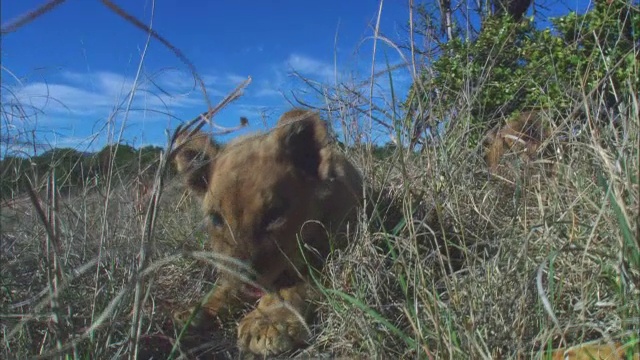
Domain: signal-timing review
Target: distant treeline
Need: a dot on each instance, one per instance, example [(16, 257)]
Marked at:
[(75, 169), (72, 168)]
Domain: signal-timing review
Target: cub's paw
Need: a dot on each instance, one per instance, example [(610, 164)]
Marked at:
[(201, 321), (271, 331)]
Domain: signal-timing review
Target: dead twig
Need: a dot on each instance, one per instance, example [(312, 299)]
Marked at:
[(30, 16), (154, 34)]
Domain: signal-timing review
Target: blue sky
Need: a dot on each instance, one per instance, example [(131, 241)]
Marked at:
[(73, 68)]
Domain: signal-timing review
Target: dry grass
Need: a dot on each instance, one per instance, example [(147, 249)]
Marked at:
[(447, 262), (462, 265), (546, 261), (467, 276)]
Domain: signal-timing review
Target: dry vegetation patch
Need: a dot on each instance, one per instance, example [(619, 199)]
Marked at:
[(449, 260), (457, 264)]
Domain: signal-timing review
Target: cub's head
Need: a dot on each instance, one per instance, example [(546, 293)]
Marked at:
[(258, 191)]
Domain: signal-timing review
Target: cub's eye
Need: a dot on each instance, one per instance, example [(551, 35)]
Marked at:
[(216, 219), (274, 217)]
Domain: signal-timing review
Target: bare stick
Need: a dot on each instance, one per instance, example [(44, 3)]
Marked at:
[(30, 16), (140, 25)]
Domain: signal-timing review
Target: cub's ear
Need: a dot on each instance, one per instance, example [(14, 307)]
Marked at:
[(193, 158), (305, 142), (293, 115)]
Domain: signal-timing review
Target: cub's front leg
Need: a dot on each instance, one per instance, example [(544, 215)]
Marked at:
[(278, 324), (225, 300)]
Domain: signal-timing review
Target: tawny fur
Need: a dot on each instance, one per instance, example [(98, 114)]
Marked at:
[(267, 196), (524, 135)]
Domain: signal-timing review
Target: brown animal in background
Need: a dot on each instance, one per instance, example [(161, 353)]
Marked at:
[(611, 351), (524, 134), (278, 202)]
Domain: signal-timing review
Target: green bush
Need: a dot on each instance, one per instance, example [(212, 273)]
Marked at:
[(511, 66)]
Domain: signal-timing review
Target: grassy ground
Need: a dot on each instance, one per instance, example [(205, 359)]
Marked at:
[(447, 261), (453, 263)]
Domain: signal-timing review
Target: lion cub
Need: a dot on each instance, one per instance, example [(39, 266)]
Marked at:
[(277, 202), (524, 134)]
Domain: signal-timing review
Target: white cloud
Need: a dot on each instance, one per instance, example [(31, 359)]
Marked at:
[(184, 81), (58, 98), (100, 93), (75, 104), (311, 67), (102, 82), (271, 85), (234, 80), (266, 91)]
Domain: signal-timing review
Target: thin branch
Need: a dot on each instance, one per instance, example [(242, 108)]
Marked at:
[(30, 16)]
